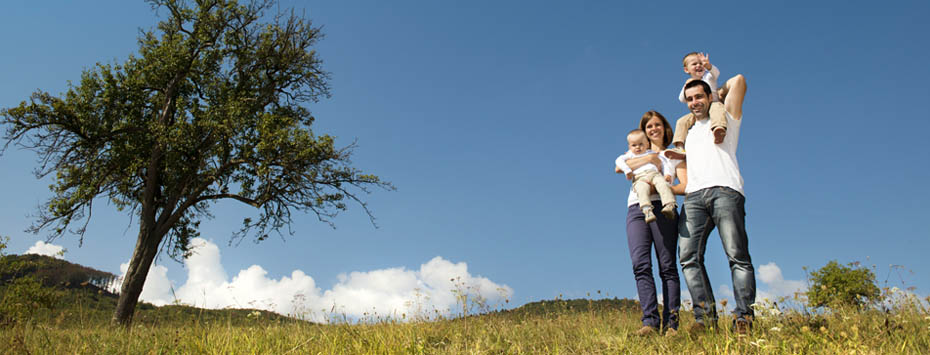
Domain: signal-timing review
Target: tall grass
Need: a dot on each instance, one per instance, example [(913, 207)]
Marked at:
[(901, 328), (898, 323)]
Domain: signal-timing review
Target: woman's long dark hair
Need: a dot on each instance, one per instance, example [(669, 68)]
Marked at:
[(667, 137)]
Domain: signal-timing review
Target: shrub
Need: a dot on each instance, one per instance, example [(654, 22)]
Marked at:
[(836, 285), (23, 297)]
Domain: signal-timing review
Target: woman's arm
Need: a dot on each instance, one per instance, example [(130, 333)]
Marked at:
[(682, 172), (636, 163)]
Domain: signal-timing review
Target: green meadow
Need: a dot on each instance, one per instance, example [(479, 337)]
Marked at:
[(61, 314)]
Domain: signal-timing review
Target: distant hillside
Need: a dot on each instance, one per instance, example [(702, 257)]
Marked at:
[(84, 297), (559, 306), (54, 272)]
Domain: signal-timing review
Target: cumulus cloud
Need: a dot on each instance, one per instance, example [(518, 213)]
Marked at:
[(393, 292), (157, 289), (895, 297), (47, 249), (770, 285), (726, 293), (776, 285)]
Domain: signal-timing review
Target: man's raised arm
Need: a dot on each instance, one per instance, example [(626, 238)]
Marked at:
[(735, 90)]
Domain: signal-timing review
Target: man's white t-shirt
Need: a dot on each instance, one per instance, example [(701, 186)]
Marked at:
[(712, 164)]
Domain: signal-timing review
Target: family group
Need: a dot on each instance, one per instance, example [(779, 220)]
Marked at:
[(701, 155)]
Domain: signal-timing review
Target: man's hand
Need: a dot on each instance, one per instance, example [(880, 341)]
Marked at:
[(668, 178), (630, 176)]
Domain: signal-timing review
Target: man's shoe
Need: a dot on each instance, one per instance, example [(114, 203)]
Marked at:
[(669, 210), (645, 331), (671, 332), (650, 217), (742, 326)]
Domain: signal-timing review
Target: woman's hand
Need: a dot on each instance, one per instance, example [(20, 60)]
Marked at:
[(654, 159)]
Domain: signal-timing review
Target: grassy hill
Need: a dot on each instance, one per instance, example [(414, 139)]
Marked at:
[(82, 297), (78, 322), (53, 272)]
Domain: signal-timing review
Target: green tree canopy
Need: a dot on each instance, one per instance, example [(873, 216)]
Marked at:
[(211, 108), (842, 285)]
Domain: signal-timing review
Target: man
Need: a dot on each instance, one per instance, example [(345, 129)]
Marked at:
[(714, 197)]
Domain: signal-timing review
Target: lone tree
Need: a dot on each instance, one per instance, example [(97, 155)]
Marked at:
[(841, 285), (210, 109)]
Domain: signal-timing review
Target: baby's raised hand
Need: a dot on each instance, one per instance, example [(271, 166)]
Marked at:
[(705, 60)]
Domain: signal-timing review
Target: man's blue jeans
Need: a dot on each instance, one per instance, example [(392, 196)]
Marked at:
[(702, 210)]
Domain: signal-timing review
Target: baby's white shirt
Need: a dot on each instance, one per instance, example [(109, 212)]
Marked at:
[(709, 77)]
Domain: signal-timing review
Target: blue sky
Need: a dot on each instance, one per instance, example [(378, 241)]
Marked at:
[(499, 122)]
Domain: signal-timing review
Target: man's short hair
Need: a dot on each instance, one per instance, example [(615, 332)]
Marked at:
[(702, 83)]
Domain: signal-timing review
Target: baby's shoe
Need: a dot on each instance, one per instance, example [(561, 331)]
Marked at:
[(674, 153), (669, 210), (650, 217), (719, 134)]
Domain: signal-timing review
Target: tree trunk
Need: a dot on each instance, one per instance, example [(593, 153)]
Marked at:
[(139, 265)]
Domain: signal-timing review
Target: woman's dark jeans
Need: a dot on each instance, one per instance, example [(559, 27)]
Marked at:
[(661, 235)]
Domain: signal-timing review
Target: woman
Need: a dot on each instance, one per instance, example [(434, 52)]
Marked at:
[(661, 235)]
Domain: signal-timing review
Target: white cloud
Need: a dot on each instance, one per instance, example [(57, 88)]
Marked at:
[(725, 293), (157, 288), (776, 285), (388, 292), (770, 285), (47, 249), (895, 297), (685, 298)]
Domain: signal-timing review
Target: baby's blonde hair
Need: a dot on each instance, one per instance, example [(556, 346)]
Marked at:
[(637, 132), (684, 61)]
